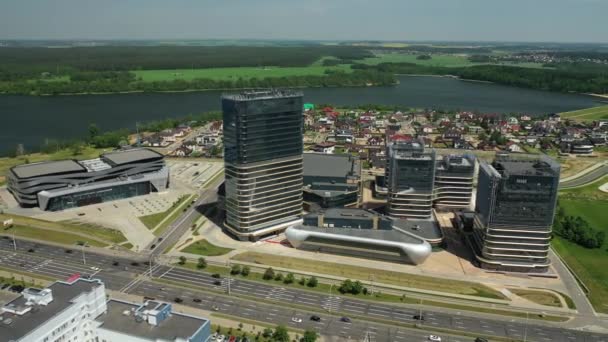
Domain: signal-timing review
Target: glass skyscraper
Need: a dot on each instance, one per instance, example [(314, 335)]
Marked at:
[(515, 205), (410, 177), (263, 161)]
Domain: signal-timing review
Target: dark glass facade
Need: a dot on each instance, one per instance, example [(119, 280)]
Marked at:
[(111, 193), (515, 205), (263, 161)]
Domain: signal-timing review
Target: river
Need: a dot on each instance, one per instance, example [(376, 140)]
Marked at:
[(30, 120)]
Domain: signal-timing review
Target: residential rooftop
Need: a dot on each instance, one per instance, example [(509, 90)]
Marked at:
[(120, 317), (63, 296)]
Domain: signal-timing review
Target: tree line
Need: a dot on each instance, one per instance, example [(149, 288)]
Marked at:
[(577, 230)]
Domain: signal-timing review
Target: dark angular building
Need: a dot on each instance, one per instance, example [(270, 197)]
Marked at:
[(515, 206), (64, 184), (410, 178), (331, 180), (263, 161)]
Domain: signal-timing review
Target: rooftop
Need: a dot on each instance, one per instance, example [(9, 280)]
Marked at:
[(527, 165), (130, 156), (63, 295), (47, 168), (173, 327), (427, 229), (375, 234), (348, 213), (329, 165), (262, 94)]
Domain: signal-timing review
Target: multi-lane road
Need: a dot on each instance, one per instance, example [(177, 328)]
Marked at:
[(120, 274), (586, 178)]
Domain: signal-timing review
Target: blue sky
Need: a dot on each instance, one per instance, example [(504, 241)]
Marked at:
[(489, 20)]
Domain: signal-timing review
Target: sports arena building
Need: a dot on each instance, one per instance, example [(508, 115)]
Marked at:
[(63, 184)]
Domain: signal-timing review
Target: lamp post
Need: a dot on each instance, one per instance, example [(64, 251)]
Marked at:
[(84, 259)]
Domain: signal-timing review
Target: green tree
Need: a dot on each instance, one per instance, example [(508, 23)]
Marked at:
[(280, 334), (245, 271), (289, 278), (312, 282), (309, 336), (93, 131), (202, 263), (236, 269), (268, 274), (267, 332), (182, 260), (346, 286), (278, 277), (302, 281)]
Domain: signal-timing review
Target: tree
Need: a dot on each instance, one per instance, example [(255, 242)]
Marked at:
[(76, 148), (236, 269), (312, 282), (268, 274), (289, 278), (309, 336), (93, 131), (278, 277), (357, 288), (182, 260), (302, 281), (482, 136), (280, 334), (267, 332), (202, 263), (346, 286), (245, 271)]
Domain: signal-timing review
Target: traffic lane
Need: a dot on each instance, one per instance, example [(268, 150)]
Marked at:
[(587, 178)]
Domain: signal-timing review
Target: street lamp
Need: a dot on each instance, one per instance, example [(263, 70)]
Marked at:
[(229, 273), (14, 240), (84, 259)]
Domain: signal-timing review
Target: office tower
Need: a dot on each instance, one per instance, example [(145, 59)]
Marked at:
[(410, 176), (263, 161), (454, 182), (515, 205)]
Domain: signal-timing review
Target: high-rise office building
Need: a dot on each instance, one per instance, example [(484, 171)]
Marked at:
[(410, 177), (263, 161), (454, 177), (515, 205)]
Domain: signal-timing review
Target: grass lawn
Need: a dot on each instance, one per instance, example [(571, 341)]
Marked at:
[(436, 60), (590, 265), (589, 114), (48, 235), (94, 231), (151, 221), (203, 247), (236, 73), (380, 276), (87, 153), (539, 297)]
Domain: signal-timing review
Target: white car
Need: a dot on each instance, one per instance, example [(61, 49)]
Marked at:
[(434, 338), (296, 320), (220, 338)]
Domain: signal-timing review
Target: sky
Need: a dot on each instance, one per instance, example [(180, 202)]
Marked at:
[(402, 20)]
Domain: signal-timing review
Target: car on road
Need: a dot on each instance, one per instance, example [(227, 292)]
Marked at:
[(481, 339), (31, 250), (68, 251), (296, 320), (196, 300), (178, 300), (215, 308), (217, 283), (345, 320), (216, 275), (315, 318), (419, 317), (434, 338), (134, 263), (115, 263), (95, 268)]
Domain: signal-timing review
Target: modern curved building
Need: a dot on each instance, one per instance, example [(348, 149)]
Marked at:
[(63, 184), (362, 233)]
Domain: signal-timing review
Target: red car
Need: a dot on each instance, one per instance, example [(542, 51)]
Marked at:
[(232, 339)]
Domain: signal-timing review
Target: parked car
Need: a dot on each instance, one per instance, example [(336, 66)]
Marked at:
[(345, 319), (296, 320), (434, 338)]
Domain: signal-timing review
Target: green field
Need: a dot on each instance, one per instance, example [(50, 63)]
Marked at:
[(203, 247), (50, 236), (436, 60), (364, 273), (233, 74), (590, 265), (588, 114)]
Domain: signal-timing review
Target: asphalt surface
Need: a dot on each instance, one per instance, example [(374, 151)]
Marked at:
[(121, 274), (178, 228), (586, 178)]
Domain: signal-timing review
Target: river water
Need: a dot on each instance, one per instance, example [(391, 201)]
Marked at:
[(30, 120)]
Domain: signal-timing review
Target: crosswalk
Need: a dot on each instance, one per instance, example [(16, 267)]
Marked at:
[(332, 303), (133, 283)]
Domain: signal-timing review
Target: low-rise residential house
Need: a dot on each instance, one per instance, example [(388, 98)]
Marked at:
[(375, 141), (531, 140), (525, 118), (475, 129), (582, 146), (381, 123), (182, 151), (513, 147), (462, 144), (427, 129), (452, 134), (512, 121), (208, 139), (554, 117), (325, 147)]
